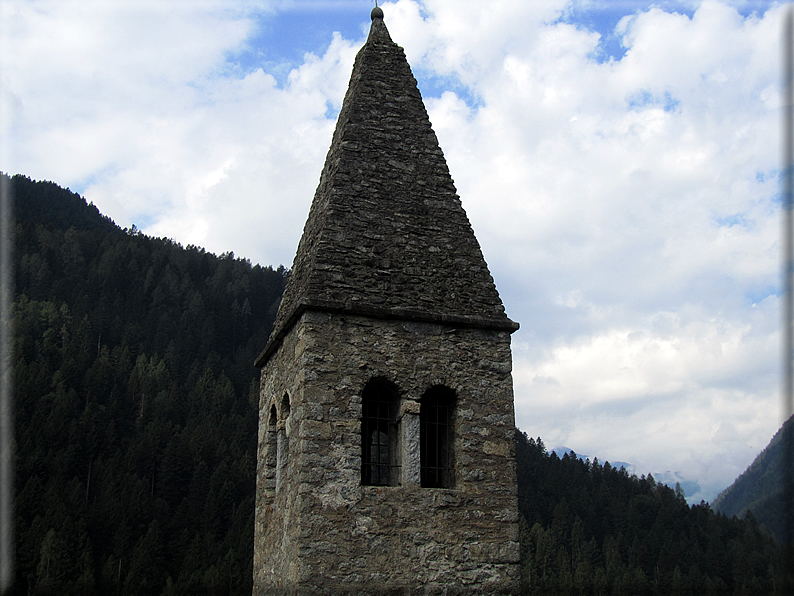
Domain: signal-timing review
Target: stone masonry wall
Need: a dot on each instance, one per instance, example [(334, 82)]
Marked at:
[(320, 531)]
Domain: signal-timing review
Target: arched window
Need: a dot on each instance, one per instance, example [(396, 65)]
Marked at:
[(379, 438), (437, 437)]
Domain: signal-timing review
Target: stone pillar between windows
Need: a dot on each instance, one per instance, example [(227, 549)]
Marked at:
[(282, 453), (271, 461), (409, 428)]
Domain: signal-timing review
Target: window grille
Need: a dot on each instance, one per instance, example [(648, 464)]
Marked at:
[(436, 438), (379, 440)]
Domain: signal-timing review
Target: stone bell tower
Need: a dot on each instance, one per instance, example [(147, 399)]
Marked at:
[(386, 459)]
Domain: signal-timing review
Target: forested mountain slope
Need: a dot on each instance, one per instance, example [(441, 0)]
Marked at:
[(759, 488), (135, 404), (588, 528)]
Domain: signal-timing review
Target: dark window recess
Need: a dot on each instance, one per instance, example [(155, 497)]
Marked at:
[(436, 438), (379, 440), (270, 454), (282, 445)]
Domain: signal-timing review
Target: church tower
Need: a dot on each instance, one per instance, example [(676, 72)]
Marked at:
[(386, 459)]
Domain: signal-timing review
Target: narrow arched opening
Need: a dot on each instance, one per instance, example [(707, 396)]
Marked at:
[(380, 465), (437, 437), (282, 443)]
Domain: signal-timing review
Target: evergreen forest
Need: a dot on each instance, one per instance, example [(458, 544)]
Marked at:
[(136, 405), (588, 528)]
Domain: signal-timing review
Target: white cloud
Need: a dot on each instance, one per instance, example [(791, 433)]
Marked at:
[(134, 105), (626, 208), (614, 199)]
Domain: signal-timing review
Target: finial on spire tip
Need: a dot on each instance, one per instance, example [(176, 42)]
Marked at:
[(377, 12)]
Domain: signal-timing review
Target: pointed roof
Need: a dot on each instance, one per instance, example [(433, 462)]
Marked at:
[(386, 234)]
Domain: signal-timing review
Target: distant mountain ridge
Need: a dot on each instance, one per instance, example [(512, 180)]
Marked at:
[(759, 488), (668, 478), (563, 450)]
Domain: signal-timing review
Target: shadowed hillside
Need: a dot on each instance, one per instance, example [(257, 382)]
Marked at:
[(136, 404), (759, 488)]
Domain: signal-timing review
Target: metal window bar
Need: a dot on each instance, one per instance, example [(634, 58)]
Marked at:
[(435, 435), (378, 436)]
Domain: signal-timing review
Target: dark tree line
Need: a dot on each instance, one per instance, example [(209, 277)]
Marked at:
[(588, 528), (135, 404)]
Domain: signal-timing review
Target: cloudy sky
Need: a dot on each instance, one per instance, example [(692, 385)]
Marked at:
[(618, 161)]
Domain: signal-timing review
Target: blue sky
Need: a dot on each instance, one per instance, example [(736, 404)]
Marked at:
[(281, 38), (617, 161), (284, 35)]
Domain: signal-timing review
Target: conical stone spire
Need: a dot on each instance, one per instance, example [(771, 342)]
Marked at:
[(386, 459), (386, 234)]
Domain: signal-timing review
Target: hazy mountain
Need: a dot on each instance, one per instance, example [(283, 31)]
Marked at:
[(668, 478), (760, 487)]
